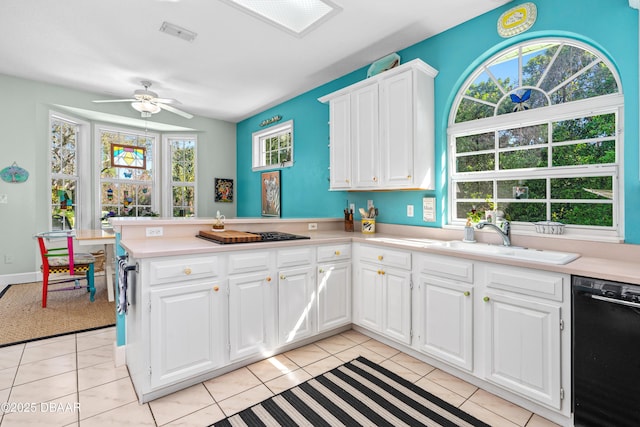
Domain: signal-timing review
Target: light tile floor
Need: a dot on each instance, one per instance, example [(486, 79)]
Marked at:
[(72, 381)]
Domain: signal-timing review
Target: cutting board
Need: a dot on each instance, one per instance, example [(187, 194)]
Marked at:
[(230, 236)]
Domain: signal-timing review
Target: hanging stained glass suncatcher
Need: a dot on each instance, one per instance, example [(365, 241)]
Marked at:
[(128, 156)]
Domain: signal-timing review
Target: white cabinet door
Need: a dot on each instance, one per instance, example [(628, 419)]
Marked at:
[(296, 304), (187, 325), (522, 339), (334, 295), (365, 137), (445, 320), (397, 124), (367, 295), (340, 143), (251, 314), (396, 304)]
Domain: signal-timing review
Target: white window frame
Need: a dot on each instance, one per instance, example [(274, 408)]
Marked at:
[(168, 183), (156, 202), (258, 138), (83, 168), (613, 103)]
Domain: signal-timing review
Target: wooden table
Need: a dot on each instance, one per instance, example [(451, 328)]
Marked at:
[(106, 238)]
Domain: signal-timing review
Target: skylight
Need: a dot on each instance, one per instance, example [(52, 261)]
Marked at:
[(294, 16)]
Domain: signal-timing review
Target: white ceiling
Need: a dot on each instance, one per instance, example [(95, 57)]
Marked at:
[(237, 66)]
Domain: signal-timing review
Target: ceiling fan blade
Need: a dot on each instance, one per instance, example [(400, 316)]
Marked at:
[(175, 110), (101, 101), (166, 101)]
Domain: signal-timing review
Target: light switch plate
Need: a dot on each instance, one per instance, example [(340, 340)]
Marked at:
[(4, 199), (409, 210)]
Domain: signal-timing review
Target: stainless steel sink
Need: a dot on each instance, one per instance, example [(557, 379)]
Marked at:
[(510, 252)]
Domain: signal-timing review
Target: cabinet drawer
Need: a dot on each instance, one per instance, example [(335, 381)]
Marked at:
[(334, 252), (385, 256), (447, 267), (248, 261), (295, 256), (164, 271), (526, 281)]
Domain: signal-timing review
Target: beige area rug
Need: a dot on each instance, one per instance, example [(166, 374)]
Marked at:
[(22, 317)]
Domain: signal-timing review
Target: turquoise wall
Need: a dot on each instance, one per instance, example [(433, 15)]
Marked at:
[(609, 25)]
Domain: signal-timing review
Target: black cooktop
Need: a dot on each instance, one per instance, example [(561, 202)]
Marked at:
[(276, 236)]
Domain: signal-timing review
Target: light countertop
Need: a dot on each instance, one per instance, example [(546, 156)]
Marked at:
[(590, 266)]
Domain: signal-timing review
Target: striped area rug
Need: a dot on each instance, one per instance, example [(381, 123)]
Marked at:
[(358, 393)]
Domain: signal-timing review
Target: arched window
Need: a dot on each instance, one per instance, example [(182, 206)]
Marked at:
[(536, 130)]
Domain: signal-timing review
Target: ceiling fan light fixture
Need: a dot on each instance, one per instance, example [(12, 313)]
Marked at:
[(145, 107), (294, 16)]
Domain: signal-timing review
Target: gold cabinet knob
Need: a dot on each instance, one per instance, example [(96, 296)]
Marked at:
[(380, 257), (337, 253), (216, 288), (375, 179), (381, 272), (486, 299), (321, 270), (268, 279), (467, 293), (187, 270), (283, 277)]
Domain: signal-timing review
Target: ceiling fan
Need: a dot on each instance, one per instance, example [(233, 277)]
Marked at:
[(148, 103)]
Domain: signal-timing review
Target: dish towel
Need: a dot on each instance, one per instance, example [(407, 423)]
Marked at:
[(123, 304)]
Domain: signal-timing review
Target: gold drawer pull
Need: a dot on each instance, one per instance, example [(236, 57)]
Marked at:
[(380, 257), (381, 272), (187, 270), (337, 253), (268, 279), (321, 270), (467, 293), (216, 288), (486, 299), (283, 277)]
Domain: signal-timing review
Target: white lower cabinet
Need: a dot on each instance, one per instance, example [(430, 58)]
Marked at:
[(382, 291), (444, 326), (251, 314), (187, 330), (334, 295), (296, 304), (524, 334)]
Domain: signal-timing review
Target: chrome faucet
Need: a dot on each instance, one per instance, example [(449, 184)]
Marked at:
[(504, 232)]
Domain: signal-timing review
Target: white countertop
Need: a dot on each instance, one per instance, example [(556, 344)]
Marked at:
[(603, 268)]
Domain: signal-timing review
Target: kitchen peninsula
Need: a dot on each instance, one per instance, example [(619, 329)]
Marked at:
[(200, 309)]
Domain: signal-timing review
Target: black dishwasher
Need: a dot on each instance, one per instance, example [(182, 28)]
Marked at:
[(606, 353)]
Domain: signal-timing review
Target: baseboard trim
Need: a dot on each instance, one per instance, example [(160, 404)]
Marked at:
[(13, 279)]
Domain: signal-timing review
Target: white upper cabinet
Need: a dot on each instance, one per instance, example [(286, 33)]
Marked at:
[(340, 147), (382, 131)]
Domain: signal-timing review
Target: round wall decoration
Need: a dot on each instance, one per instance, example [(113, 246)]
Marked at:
[(517, 20), (14, 174)]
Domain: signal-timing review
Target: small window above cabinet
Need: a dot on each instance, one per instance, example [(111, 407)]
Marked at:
[(382, 131), (273, 147)]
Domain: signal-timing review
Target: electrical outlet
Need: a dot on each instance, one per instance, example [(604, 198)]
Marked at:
[(154, 231), (8, 259), (409, 210), (313, 226), (352, 207), (369, 204)]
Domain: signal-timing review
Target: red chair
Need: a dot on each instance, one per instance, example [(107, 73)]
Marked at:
[(63, 260)]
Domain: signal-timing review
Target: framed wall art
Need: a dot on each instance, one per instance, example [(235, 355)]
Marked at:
[(270, 183), (223, 190)]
